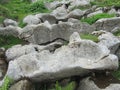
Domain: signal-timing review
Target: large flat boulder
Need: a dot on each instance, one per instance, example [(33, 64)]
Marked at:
[(45, 33), (19, 50), (79, 57)]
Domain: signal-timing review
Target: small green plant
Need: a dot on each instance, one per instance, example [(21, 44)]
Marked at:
[(6, 85), (21, 24), (38, 6), (70, 86), (94, 18), (116, 74), (117, 33), (89, 37), (57, 86)]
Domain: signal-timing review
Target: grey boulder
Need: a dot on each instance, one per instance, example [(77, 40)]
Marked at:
[(109, 40), (89, 84), (31, 19), (10, 30), (19, 50), (107, 24), (45, 33), (47, 17), (79, 57), (77, 14), (22, 85), (8, 22)]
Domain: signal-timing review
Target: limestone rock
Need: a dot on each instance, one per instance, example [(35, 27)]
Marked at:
[(95, 13), (77, 14), (22, 85), (19, 50), (107, 24), (44, 33), (60, 13), (47, 17), (10, 30), (53, 5), (89, 84), (109, 40), (31, 19), (8, 22), (74, 59)]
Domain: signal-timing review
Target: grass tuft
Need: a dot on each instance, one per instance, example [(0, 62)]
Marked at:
[(6, 84), (94, 18), (9, 41), (89, 37)]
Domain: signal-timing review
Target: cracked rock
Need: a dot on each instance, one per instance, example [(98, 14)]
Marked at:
[(107, 24), (79, 57)]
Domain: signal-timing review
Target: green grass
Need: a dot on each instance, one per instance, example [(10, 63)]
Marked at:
[(70, 86), (8, 41), (38, 7), (117, 33), (116, 74), (94, 18), (18, 9), (106, 3), (89, 37), (6, 84)]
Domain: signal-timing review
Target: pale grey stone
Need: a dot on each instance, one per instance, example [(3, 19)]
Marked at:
[(8, 22), (10, 30), (95, 13), (107, 24), (88, 84), (109, 40), (79, 57), (31, 19), (22, 85)]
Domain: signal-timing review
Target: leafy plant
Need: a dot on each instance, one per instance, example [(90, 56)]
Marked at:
[(94, 18), (6, 85)]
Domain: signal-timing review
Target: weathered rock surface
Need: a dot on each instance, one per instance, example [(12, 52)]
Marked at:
[(60, 13), (73, 59), (31, 19), (77, 14), (19, 50), (10, 30), (95, 13), (8, 22), (109, 40), (107, 24), (53, 5), (79, 3), (47, 17), (44, 33), (90, 84), (22, 85)]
